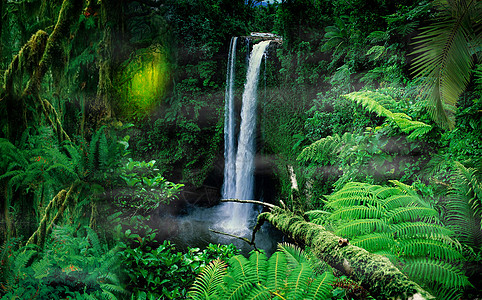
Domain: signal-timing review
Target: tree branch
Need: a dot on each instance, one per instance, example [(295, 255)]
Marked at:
[(251, 243), (267, 205)]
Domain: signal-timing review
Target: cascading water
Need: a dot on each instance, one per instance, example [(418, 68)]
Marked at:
[(194, 228), (229, 187), (243, 182)]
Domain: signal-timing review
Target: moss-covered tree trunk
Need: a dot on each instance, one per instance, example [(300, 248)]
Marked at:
[(374, 272), (41, 53), (101, 109)]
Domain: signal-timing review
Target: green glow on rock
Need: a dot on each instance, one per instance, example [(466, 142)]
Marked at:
[(144, 81)]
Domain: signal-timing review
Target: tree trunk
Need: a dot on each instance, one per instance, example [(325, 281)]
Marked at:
[(111, 18), (374, 272)]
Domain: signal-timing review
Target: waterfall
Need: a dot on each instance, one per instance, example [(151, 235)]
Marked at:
[(229, 126), (243, 182)]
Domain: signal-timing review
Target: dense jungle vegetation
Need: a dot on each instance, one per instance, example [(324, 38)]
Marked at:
[(112, 113)]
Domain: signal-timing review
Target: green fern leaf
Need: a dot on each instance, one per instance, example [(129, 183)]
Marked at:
[(357, 212), (362, 227), (413, 229), (435, 271), (259, 293), (297, 282), (294, 255), (412, 213), (207, 281), (396, 201), (374, 242), (277, 268), (372, 102), (322, 151), (429, 248), (321, 287), (259, 262), (239, 267)]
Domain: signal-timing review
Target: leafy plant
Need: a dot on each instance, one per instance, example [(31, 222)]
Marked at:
[(78, 266), (377, 102), (287, 274), (142, 187), (443, 56), (397, 223), (156, 270)]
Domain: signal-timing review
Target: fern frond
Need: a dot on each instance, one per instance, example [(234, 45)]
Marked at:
[(259, 262), (239, 267), (361, 227), (435, 271), (374, 242), (238, 290), (413, 229), (317, 214), (446, 293), (259, 293), (321, 287), (357, 212), (294, 255), (400, 200), (411, 213), (41, 267), (113, 288), (372, 102), (277, 268), (207, 281), (323, 151), (429, 248), (94, 240), (297, 282)]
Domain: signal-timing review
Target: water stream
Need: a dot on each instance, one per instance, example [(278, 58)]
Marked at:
[(237, 215)]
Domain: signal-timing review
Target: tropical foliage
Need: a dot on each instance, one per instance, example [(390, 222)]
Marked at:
[(111, 114), (288, 274)]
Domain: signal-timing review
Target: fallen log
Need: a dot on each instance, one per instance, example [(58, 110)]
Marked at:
[(372, 271)]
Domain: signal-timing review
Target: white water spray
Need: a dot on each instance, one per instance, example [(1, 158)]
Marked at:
[(239, 214)]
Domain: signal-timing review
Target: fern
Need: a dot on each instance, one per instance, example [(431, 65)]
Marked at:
[(322, 151), (361, 227), (259, 262), (276, 271), (298, 281), (372, 101), (288, 273), (320, 288), (208, 280), (438, 271), (374, 242), (357, 212), (397, 223), (417, 247)]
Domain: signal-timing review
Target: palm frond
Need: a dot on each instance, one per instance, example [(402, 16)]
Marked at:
[(443, 59)]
